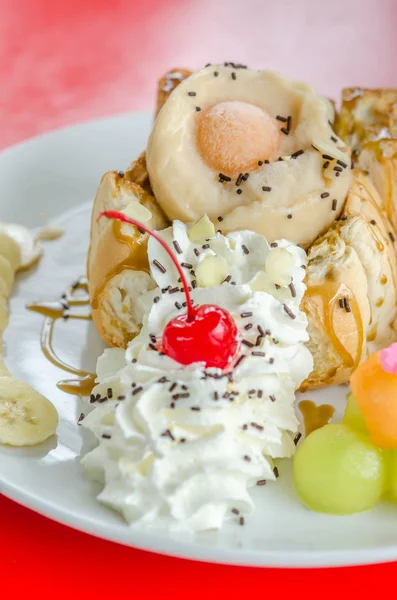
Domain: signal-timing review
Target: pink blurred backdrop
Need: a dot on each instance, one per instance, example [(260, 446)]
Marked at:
[(67, 61)]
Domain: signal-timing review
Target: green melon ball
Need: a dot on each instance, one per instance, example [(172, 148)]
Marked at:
[(392, 475), (353, 416), (338, 471)]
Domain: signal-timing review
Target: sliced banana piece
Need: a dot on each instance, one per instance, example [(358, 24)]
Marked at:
[(3, 315), (10, 250), (4, 372), (4, 291), (30, 247), (26, 417), (7, 273)]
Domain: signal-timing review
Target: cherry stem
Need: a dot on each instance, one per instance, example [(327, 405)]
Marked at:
[(114, 214)]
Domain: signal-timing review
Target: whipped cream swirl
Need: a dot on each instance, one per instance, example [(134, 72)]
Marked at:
[(180, 446)]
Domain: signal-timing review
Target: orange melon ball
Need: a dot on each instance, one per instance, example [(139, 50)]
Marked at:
[(233, 137), (375, 391)]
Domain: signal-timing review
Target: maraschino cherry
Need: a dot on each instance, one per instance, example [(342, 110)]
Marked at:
[(205, 333)]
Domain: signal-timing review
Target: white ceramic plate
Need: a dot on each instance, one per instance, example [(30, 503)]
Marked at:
[(55, 177)]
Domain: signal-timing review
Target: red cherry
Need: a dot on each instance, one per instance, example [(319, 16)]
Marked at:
[(211, 337), (205, 333)]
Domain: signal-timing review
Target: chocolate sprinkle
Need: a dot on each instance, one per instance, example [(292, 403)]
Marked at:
[(271, 360), (177, 247), (195, 408), (156, 299), (272, 398), (289, 216), (223, 177), (257, 426), (260, 163), (275, 471), (285, 130), (289, 312), (327, 157), (297, 438), (241, 521), (160, 267), (239, 179), (257, 353), (273, 245), (220, 219), (248, 343), (137, 390), (261, 482), (334, 139), (282, 119), (110, 393), (106, 436), (347, 305), (194, 284), (173, 290), (198, 109), (245, 249), (334, 204), (234, 76), (391, 236), (341, 163), (297, 153), (342, 302), (324, 195), (196, 252), (292, 290), (239, 191), (81, 417), (266, 188), (240, 360), (121, 173), (205, 246), (235, 511), (249, 326), (191, 94), (187, 265), (167, 433), (163, 380), (246, 314)]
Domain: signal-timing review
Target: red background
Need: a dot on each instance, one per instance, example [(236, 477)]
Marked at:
[(72, 60)]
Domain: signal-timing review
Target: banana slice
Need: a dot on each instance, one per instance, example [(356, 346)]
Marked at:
[(4, 372), (3, 315), (4, 291), (30, 247), (26, 417), (7, 273), (10, 250)]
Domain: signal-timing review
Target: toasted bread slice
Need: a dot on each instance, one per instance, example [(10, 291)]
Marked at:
[(118, 269), (168, 83), (367, 116), (351, 297)]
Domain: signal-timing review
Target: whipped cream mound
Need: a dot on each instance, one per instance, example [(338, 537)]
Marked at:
[(180, 446)]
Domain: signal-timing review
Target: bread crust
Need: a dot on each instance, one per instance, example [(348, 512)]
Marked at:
[(355, 259), (117, 259), (168, 83)]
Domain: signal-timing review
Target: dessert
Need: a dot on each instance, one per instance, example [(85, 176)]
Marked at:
[(26, 417), (215, 149), (250, 174), (180, 442)]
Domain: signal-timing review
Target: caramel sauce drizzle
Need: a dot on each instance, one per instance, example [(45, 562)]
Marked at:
[(135, 258), (330, 293), (75, 295), (315, 417)]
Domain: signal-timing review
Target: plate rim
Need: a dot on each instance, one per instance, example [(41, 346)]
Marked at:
[(159, 543)]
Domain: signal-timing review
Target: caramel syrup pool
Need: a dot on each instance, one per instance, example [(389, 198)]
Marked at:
[(75, 295), (315, 417)]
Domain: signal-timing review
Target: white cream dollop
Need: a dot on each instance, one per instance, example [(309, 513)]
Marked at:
[(180, 446)]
